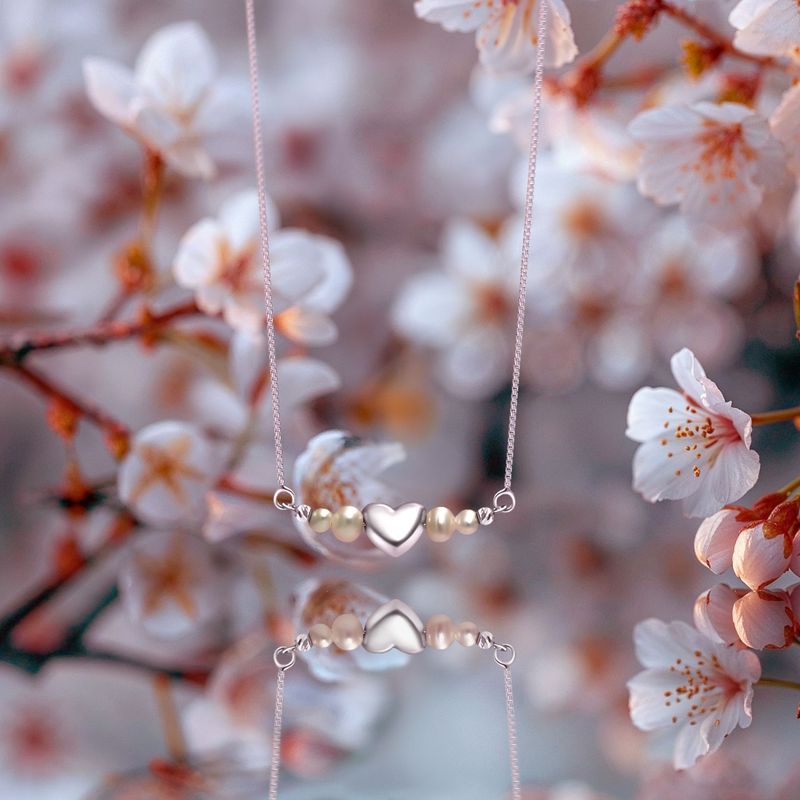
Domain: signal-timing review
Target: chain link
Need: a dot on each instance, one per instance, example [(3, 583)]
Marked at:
[(533, 149)]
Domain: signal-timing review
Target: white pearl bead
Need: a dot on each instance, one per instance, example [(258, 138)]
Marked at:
[(346, 523), (467, 634), (320, 520), (440, 632), (440, 523), (320, 635), (347, 632), (467, 521)]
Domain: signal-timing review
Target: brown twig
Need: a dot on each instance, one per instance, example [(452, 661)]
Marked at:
[(147, 326), (712, 36), (113, 428)]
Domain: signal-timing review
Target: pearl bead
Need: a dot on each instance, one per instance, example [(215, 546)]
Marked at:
[(467, 521), (467, 634), (346, 523), (320, 520), (440, 632), (347, 632), (440, 523), (320, 635)]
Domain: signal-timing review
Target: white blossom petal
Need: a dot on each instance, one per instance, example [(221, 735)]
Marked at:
[(111, 89), (176, 67)]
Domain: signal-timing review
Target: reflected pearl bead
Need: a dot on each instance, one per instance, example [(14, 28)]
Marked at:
[(440, 632), (440, 523), (467, 634), (320, 635), (347, 632), (467, 521), (346, 523), (320, 520)]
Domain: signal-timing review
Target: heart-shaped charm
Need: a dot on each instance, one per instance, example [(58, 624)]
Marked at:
[(394, 530), (394, 625)]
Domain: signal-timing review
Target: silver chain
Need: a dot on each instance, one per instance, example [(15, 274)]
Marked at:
[(522, 300), (284, 497), (263, 229)]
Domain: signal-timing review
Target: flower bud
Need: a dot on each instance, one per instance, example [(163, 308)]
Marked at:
[(764, 620), (715, 540), (760, 556), (713, 613)]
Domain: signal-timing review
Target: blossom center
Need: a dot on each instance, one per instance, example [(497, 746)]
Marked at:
[(703, 687), (699, 433), (34, 743), (237, 269), (584, 219), (722, 144)]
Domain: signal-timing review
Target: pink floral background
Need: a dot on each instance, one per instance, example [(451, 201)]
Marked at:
[(145, 575)]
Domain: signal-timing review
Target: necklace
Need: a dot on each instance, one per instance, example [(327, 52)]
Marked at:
[(394, 530)]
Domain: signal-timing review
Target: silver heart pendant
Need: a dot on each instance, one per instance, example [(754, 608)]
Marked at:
[(394, 626), (394, 530)]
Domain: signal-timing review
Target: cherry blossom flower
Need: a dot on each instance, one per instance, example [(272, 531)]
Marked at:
[(338, 469), (168, 100), (506, 32), (169, 584), (700, 687), (716, 161), (587, 231), (764, 620), (71, 725), (767, 27), (713, 614), (687, 276), (165, 476), (219, 260), (694, 446), (463, 312)]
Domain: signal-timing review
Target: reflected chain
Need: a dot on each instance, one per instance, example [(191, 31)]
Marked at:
[(513, 753), (286, 657), (277, 728), (286, 494)]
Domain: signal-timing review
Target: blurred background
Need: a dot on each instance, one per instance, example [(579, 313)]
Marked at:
[(136, 652)]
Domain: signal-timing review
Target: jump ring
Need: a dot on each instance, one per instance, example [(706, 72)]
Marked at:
[(285, 657), (280, 499), (504, 655), (504, 501)]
